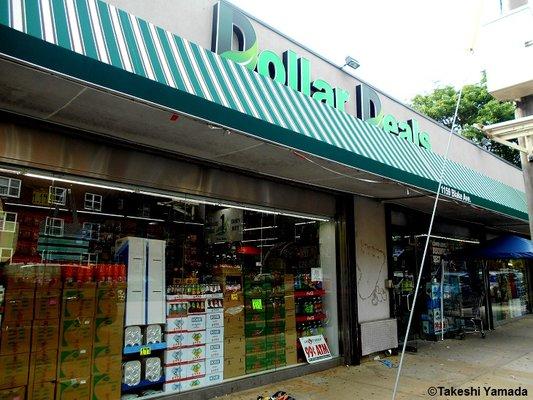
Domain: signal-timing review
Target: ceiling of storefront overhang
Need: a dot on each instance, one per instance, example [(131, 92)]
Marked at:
[(39, 94)]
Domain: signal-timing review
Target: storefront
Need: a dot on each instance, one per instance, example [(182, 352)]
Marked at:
[(176, 220)]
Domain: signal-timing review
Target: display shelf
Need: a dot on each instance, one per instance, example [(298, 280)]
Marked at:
[(144, 384), (307, 318), (137, 349), (298, 294)]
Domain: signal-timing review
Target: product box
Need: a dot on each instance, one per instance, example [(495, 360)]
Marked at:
[(234, 366), (106, 351), (18, 305), (106, 364), (233, 300), (47, 304), (15, 337), (275, 358), (19, 276), (234, 325), (290, 320), (13, 394), (256, 362), (196, 322), (253, 329), (48, 277), (289, 283), (74, 363), (214, 335), (275, 326), (275, 341), (291, 357), (234, 347), (174, 340), (184, 371), (291, 339), (214, 379), (76, 333), (256, 344), (214, 350), (79, 301), (14, 370), (108, 331), (106, 386), (43, 366), (41, 391), (186, 354), (110, 300), (290, 303), (45, 335), (74, 389), (176, 324), (184, 385), (214, 320), (214, 365)]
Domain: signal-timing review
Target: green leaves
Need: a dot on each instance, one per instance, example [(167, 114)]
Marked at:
[(246, 58)]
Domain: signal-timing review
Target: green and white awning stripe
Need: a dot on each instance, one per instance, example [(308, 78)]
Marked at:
[(102, 32)]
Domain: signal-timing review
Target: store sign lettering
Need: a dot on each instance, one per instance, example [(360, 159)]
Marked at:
[(455, 194), (295, 72)]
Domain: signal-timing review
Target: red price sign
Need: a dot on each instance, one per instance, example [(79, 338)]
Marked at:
[(315, 348)]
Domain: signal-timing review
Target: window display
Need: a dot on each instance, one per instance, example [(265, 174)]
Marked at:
[(139, 294), (508, 289)]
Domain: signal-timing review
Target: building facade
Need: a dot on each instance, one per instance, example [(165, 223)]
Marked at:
[(193, 202)]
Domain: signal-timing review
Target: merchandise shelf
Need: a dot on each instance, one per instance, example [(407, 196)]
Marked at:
[(137, 349), (144, 384)]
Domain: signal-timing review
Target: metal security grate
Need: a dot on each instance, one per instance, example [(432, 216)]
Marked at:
[(378, 336)]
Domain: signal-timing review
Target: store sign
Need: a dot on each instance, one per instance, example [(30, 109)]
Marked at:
[(315, 348), (295, 71), (455, 194)]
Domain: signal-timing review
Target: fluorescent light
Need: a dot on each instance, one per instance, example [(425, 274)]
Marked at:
[(266, 245), (188, 223), (145, 219), (449, 238), (101, 213), (10, 171), (34, 206), (259, 228), (97, 185), (258, 240), (305, 223)]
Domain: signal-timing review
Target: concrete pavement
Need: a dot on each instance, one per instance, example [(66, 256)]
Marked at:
[(504, 360)]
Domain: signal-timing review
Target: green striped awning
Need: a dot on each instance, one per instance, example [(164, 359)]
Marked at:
[(98, 43)]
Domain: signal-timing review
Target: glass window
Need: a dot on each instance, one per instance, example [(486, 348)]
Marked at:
[(93, 202), (54, 226), (10, 187), (508, 290), (57, 195)]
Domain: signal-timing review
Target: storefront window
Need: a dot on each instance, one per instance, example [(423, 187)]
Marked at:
[(508, 289), (131, 294)]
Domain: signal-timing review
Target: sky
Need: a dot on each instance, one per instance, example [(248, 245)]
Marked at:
[(405, 47)]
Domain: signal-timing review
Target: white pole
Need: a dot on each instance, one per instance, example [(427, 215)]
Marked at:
[(442, 263), (443, 170)]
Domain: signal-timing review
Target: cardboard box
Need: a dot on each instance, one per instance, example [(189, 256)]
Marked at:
[(74, 363), (106, 386), (174, 340), (214, 320), (19, 276), (43, 366), (255, 362), (234, 347), (47, 304), (214, 350), (14, 393), (214, 335), (48, 276), (291, 356), (74, 389), (290, 303), (214, 379), (79, 301), (233, 300), (110, 300), (184, 385), (182, 355), (256, 344), (214, 366), (107, 365), (18, 305), (234, 326), (41, 391), (183, 371), (289, 283), (106, 351), (176, 324), (108, 331), (233, 367), (15, 337), (77, 333), (45, 335), (257, 328), (291, 339), (14, 370)]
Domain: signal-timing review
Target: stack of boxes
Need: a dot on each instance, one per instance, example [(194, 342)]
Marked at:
[(195, 340), (45, 335), (234, 343), (15, 341), (76, 341), (107, 350), (290, 321)]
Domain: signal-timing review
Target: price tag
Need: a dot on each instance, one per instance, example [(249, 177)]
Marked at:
[(234, 297), (315, 348), (257, 304), (145, 351)]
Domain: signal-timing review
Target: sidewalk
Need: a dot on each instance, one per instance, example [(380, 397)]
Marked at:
[(504, 360)]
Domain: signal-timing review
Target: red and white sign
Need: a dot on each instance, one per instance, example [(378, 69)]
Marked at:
[(315, 348)]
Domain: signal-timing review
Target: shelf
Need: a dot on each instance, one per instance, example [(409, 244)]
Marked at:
[(144, 383), (308, 318), (309, 293), (137, 349)]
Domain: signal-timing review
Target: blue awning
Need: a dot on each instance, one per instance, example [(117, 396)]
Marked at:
[(503, 248)]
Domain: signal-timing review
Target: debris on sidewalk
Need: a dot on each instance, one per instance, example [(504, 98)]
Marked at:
[(279, 395)]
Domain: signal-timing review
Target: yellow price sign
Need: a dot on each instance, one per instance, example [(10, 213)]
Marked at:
[(145, 351), (234, 297)]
